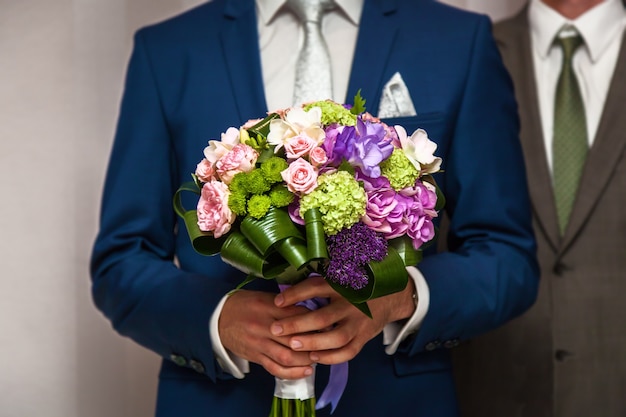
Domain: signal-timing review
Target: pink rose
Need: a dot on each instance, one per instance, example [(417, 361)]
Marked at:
[(299, 146), (397, 217), (380, 203), (420, 214), (421, 231), (301, 177), (205, 171), (425, 196), (214, 215), (239, 159), (318, 156)]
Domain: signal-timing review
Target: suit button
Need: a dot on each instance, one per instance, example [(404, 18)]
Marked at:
[(430, 346), (559, 269), (452, 343), (178, 360), (196, 366), (561, 355)]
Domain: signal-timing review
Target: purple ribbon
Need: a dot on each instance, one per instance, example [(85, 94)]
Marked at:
[(337, 381), (338, 378)]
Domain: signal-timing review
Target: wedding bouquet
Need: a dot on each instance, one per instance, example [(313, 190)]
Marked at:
[(323, 188)]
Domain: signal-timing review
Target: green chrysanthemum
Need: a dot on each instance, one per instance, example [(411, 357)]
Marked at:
[(340, 198), (281, 196), (333, 113), (258, 205), (399, 170), (256, 182), (272, 168), (237, 202), (238, 184)]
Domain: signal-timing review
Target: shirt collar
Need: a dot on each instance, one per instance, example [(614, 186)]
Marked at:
[(598, 26), (269, 8)]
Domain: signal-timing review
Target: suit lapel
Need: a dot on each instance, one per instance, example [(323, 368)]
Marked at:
[(604, 154), (515, 47), (240, 47), (369, 63)]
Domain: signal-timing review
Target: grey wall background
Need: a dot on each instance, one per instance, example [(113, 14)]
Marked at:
[(62, 64)]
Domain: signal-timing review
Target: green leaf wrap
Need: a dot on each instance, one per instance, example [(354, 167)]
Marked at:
[(385, 277), (203, 242), (239, 252), (315, 237), (404, 246), (276, 231), (262, 128)]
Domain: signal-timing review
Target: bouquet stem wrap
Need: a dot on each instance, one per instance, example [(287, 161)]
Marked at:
[(303, 389)]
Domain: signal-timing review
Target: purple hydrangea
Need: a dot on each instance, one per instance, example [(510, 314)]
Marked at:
[(364, 146), (350, 250)]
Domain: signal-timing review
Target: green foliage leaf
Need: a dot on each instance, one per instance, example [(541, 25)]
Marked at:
[(359, 104)]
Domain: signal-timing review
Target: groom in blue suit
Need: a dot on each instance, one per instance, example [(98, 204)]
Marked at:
[(192, 77)]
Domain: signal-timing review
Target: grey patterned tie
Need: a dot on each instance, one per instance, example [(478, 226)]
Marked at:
[(313, 71), (569, 144)]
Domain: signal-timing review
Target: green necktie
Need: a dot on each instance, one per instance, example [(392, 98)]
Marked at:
[(569, 144)]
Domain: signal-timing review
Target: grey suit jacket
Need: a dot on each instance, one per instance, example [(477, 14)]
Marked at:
[(565, 357)]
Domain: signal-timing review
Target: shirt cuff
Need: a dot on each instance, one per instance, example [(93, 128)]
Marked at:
[(394, 333), (229, 362)]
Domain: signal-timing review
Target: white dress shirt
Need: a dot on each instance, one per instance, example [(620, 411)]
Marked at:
[(601, 28), (280, 36)]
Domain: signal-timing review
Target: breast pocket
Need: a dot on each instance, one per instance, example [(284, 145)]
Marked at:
[(434, 123)]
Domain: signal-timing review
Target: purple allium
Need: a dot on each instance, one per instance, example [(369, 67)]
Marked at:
[(350, 250)]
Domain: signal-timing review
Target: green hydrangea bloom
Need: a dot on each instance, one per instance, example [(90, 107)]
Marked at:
[(281, 196), (333, 113), (340, 198), (272, 167), (256, 182), (258, 205), (399, 170), (237, 202)]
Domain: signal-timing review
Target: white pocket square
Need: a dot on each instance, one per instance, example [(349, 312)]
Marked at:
[(396, 100)]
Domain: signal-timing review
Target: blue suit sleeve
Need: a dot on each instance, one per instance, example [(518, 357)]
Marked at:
[(135, 282), (490, 273)]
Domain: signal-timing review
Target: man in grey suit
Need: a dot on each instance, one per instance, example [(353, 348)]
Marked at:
[(565, 357)]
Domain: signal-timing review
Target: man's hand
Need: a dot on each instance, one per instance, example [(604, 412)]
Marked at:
[(337, 332), (244, 329)]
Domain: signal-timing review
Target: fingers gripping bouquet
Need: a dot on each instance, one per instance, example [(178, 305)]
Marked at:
[(323, 188)]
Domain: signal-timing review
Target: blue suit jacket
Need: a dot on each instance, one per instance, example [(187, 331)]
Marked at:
[(197, 74)]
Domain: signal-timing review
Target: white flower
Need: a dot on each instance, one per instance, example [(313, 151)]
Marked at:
[(217, 149), (296, 122), (419, 150)]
